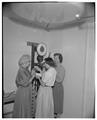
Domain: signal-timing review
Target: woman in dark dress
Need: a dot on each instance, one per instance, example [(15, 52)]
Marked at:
[(58, 92), (23, 100)]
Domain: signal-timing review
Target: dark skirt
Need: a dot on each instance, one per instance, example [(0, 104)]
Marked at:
[(23, 103), (58, 96)]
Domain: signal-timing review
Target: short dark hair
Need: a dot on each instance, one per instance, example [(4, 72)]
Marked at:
[(50, 62), (60, 57)]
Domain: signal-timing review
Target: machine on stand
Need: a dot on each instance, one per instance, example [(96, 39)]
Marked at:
[(39, 51)]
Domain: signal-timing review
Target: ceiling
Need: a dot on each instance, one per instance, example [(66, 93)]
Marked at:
[(47, 15)]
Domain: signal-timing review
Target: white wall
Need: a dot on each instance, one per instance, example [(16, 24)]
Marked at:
[(89, 82), (70, 42)]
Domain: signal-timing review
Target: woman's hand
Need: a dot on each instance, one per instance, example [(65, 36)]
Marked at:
[(30, 80), (38, 75), (37, 68), (33, 73)]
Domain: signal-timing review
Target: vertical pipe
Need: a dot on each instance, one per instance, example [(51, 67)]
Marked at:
[(32, 56)]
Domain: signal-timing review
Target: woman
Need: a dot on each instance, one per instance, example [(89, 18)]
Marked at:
[(58, 93), (45, 106), (22, 105)]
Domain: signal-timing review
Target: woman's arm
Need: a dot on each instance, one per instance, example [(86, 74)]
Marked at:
[(31, 79), (32, 76), (37, 68), (40, 75), (60, 75), (40, 80), (22, 79)]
